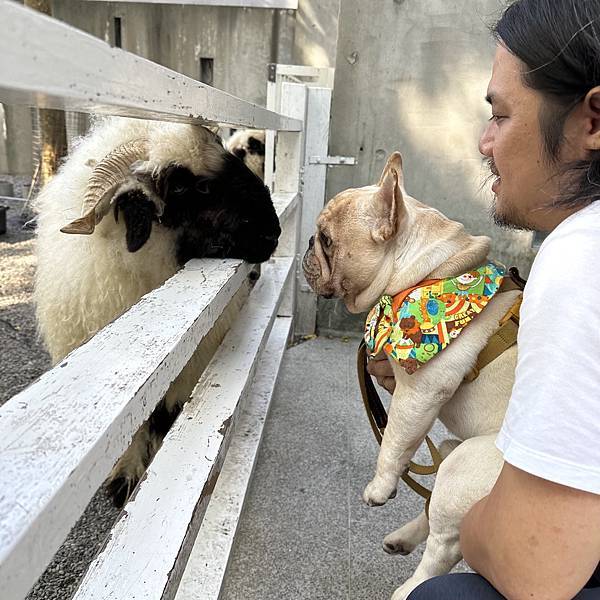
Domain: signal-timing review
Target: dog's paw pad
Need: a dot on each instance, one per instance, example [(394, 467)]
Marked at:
[(377, 493), (397, 548)]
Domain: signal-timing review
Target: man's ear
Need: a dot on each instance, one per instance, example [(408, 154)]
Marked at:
[(138, 213), (591, 112), (389, 206), (393, 162)]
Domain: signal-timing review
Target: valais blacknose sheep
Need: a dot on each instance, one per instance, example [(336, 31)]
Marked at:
[(133, 202), (249, 145)]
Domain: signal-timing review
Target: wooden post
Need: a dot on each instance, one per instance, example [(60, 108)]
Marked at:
[(53, 130)]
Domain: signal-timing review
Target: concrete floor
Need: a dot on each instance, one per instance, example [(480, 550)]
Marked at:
[(305, 532)]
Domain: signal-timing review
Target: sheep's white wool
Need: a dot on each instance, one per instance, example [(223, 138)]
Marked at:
[(239, 144), (85, 282)]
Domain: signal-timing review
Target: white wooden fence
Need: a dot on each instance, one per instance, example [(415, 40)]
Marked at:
[(60, 437)]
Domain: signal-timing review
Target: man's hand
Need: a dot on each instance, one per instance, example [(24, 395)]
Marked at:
[(380, 368)]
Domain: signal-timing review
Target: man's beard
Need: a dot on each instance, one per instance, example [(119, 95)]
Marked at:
[(509, 219)]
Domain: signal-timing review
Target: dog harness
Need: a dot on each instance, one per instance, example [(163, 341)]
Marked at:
[(417, 324)]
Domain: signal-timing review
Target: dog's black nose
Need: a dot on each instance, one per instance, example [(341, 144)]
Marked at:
[(240, 153), (311, 242)]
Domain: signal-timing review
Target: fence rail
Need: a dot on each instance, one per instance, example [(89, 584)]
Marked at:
[(49, 64)]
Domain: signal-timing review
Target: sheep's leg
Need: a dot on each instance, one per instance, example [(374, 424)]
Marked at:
[(132, 465)]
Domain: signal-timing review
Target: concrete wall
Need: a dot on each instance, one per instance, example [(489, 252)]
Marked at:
[(411, 76), (241, 41), (316, 33)]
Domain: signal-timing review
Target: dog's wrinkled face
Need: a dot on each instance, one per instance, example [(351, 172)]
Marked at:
[(349, 256)]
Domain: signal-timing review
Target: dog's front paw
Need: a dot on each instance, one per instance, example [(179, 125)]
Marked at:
[(379, 491)]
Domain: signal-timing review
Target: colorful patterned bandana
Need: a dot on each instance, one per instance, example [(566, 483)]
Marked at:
[(415, 325)]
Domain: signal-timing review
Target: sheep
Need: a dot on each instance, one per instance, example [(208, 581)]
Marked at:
[(249, 146), (134, 201)]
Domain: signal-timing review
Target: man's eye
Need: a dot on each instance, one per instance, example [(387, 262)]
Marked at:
[(496, 118)]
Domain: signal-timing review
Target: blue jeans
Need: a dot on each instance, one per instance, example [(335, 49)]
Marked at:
[(470, 586)]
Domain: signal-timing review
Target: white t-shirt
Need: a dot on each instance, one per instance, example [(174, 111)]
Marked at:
[(552, 426)]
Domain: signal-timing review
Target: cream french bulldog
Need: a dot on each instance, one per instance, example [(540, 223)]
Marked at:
[(378, 240)]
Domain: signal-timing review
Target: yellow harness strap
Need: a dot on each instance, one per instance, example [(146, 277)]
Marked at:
[(501, 341)]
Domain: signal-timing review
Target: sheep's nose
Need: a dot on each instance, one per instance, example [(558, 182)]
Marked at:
[(311, 242), (240, 153)]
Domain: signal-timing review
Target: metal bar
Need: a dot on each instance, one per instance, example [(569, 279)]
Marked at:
[(49, 64), (332, 160), (317, 142)]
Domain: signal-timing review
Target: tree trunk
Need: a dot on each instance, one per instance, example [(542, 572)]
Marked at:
[(53, 129)]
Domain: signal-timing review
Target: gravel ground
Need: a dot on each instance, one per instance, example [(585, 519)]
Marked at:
[(22, 360), (22, 355)]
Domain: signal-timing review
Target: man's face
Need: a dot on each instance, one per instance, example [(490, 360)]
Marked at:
[(526, 181)]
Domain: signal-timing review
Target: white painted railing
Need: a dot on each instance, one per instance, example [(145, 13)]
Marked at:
[(60, 437)]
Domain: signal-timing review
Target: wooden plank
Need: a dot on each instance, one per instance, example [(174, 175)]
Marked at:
[(60, 437), (281, 4), (163, 518), (317, 144), (207, 564), (285, 204), (47, 63), (115, 380)]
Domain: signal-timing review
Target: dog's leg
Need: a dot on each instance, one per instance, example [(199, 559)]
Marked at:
[(405, 539), (408, 537), (413, 410), (465, 477), (417, 401)]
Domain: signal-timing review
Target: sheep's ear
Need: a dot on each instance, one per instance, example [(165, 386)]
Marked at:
[(138, 213)]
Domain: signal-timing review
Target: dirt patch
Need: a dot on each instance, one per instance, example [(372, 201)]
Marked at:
[(22, 355)]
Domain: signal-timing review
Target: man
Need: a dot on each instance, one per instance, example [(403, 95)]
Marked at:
[(537, 534)]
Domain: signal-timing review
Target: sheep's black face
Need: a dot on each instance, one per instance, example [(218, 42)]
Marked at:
[(228, 216)]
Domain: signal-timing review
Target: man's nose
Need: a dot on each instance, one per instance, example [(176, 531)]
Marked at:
[(486, 141)]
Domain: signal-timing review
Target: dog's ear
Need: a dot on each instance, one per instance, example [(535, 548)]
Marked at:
[(389, 205), (138, 213), (393, 162)]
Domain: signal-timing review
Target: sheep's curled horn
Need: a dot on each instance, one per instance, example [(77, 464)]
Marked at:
[(106, 177)]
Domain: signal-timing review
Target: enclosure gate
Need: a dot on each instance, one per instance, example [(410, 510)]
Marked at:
[(60, 437)]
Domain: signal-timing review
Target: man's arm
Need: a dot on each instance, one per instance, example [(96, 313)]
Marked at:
[(533, 539)]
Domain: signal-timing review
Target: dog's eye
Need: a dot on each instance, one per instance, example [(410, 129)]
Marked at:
[(325, 240)]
